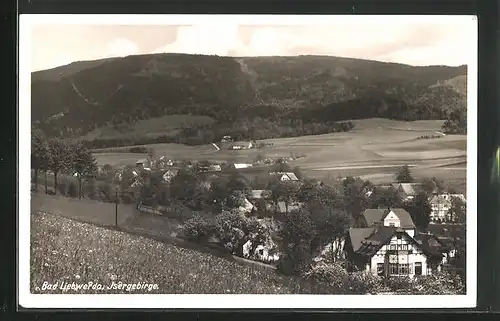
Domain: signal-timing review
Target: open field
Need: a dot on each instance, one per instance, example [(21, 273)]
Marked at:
[(152, 127), (65, 250), (369, 150)]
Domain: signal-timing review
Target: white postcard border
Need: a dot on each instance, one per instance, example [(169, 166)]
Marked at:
[(233, 301)]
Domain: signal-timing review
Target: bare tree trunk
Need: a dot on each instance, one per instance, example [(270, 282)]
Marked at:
[(55, 182), (36, 179), (46, 192), (79, 187)]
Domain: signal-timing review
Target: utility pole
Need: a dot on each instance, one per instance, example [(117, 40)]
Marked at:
[(116, 207)]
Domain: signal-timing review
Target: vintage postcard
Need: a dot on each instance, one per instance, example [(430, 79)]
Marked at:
[(280, 161)]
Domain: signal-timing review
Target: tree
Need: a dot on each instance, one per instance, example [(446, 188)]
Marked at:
[(355, 196), (404, 175), (420, 210), (386, 197), (83, 164), (296, 235), (60, 157), (238, 182), (298, 172), (330, 226), (40, 155), (183, 185), (457, 210), (281, 166), (285, 191), (431, 185)]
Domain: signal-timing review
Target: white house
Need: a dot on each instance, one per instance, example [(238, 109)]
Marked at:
[(285, 176), (441, 205), (241, 166), (389, 246)]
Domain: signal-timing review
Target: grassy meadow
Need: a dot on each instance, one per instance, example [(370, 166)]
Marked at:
[(373, 150), (65, 250)]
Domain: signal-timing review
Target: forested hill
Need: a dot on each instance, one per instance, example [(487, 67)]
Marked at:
[(82, 97)]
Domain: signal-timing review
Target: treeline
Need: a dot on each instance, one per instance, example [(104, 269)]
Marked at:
[(245, 129), (60, 156)]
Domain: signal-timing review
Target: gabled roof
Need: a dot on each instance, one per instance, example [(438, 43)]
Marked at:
[(358, 235), (380, 237), (408, 188), (438, 199), (373, 216), (431, 244), (291, 176)]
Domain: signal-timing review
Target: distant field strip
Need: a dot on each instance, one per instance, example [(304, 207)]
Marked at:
[(361, 167)]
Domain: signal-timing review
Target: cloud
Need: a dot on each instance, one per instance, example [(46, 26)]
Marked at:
[(121, 47), (208, 39)]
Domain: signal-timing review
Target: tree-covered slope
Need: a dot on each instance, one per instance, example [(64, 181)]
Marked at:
[(81, 97)]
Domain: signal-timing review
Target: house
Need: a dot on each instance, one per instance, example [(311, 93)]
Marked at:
[(285, 176), (283, 208), (241, 166), (169, 175), (439, 251), (441, 205), (388, 246), (396, 217), (226, 139), (247, 207), (241, 145), (143, 163), (215, 168), (407, 191), (263, 252), (259, 194)]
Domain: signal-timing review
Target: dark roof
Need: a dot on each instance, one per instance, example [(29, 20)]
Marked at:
[(373, 216), (368, 241), (358, 235), (431, 244), (374, 242)]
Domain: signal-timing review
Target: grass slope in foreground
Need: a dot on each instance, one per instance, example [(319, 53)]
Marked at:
[(63, 250)]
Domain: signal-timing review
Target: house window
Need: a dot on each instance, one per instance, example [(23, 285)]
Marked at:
[(392, 247), (418, 268), (404, 269), (380, 269), (393, 269), (391, 224), (403, 247)]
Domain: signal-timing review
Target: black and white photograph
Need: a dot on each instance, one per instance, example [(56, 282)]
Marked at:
[(279, 161)]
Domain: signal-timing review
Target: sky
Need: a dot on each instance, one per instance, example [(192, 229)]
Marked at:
[(419, 44)]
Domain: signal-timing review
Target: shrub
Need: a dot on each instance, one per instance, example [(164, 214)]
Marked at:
[(399, 284), (327, 278), (439, 283), (62, 187), (198, 229), (139, 150), (364, 283)]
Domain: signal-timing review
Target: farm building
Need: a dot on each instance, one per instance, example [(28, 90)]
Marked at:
[(241, 166), (388, 246), (226, 139), (143, 163), (407, 191), (283, 176), (241, 145)]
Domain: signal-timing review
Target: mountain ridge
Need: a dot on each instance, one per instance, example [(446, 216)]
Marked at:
[(78, 98)]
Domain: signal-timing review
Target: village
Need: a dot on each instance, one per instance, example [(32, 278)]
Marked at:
[(397, 234)]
